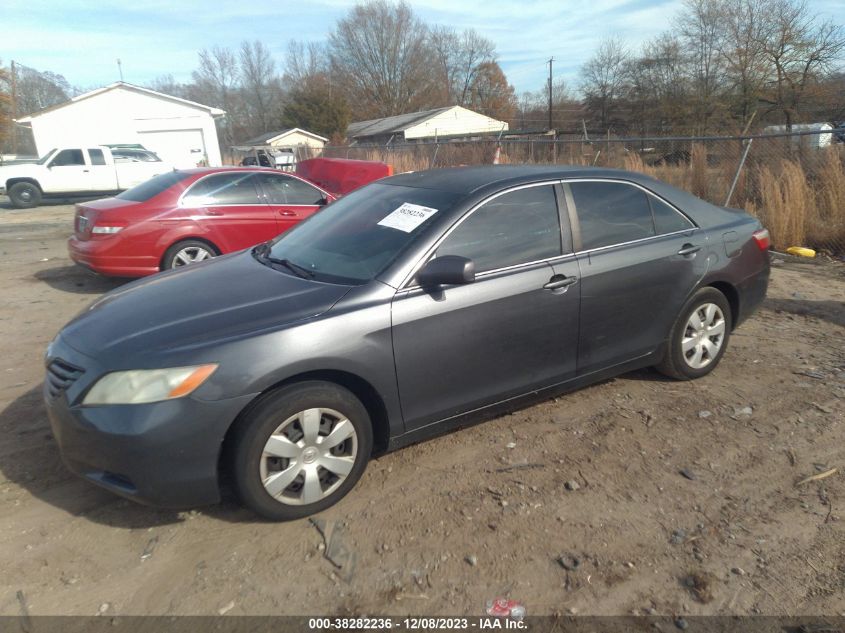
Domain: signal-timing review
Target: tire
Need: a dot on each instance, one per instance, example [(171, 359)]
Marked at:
[(293, 481), (25, 195), (187, 252), (705, 343)]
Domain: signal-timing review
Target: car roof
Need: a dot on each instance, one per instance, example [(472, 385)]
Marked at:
[(469, 180)]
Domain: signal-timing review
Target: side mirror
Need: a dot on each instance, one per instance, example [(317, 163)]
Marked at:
[(447, 271)]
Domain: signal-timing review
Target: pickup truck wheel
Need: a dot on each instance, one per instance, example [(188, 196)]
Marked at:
[(187, 252), (25, 195)]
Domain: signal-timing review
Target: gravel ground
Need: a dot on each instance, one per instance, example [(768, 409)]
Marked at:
[(576, 505)]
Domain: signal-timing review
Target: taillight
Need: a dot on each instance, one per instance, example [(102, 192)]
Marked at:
[(762, 239)]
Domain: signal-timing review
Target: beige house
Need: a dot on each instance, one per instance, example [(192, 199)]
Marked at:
[(292, 138)]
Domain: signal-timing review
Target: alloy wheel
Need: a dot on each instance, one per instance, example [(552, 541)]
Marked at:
[(191, 255)]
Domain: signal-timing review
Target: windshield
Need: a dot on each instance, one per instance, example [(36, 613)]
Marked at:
[(355, 238), (46, 157), (153, 186)]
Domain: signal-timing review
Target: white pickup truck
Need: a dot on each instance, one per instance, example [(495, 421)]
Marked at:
[(75, 171)]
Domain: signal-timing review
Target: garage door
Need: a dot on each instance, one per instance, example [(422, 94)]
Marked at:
[(180, 148)]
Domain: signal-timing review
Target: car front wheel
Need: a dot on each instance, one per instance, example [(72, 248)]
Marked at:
[(699, 337), (300, 449)]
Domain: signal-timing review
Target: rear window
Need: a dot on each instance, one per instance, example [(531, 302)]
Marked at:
[(153, 186)]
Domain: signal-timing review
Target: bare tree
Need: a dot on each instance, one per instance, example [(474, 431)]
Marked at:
[(382, 59), (216, 84), (700, 25), (306, 63), (166, 84), (459, 58), (6, 124), (743, 55), (660, 82), (800, 49), (260, 87), (604, 78)]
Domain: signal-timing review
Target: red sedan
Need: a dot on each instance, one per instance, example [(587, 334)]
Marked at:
[(183, 217)]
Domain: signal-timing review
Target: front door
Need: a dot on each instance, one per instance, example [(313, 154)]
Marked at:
[(292, 200), (230, 210), (514, 329), (68, 172)]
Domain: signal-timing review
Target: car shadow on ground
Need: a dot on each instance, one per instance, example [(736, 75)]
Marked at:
[(31, 459), (79, 280), (831, 311)]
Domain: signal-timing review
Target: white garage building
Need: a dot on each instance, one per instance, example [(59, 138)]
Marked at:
[(181, 132)]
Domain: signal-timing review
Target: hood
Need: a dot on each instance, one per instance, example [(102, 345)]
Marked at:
[(223, 299)]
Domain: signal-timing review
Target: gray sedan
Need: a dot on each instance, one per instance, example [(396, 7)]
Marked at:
[(412, 306)]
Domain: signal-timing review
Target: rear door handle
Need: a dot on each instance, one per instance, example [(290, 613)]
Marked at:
[(287, 213), (689, 249), (559, 281), (213, 212)]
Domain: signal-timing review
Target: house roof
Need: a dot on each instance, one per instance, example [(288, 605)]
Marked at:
[(391, 124), (270, 137), (215, 112)]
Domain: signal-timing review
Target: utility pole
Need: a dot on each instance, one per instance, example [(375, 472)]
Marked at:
[(120, 69), (551, 59), (13, 131)]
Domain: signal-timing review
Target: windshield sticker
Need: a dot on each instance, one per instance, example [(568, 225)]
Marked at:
[(408, 217)]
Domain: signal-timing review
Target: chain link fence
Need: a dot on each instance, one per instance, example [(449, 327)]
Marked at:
[(795, 183)]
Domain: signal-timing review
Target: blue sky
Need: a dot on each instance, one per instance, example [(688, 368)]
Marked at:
[(81, 39)]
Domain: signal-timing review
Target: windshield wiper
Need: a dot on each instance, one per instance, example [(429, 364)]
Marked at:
[(261, 253)]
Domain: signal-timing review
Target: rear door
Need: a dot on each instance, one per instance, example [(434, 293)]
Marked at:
[(292, 200), (101, 175), (510, 331), (230, 209), (639, 260)]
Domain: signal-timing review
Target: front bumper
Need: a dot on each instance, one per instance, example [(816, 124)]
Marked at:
[(104, 257), (164, 454)]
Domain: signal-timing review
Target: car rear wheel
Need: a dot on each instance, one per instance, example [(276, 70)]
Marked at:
[(699, 337), (300, 450), (25, 195), (187, 252)]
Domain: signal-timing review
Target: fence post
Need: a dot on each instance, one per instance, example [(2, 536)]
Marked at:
[(738, 170)]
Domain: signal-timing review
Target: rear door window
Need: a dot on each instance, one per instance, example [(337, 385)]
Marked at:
[(666, 218), (96, 156), (517, 227), (236, 188), (611, 213), (284, 190)]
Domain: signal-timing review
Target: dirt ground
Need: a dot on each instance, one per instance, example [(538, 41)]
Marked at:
[(590, 482)]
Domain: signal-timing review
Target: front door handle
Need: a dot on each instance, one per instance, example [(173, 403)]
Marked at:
[(689, 249), (287, 213), (559, 281), (213, 212)]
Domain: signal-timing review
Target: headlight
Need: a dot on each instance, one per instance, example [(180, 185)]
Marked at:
[(140, 386)]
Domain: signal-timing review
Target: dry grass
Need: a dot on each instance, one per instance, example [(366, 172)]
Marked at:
[(799, 196)]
